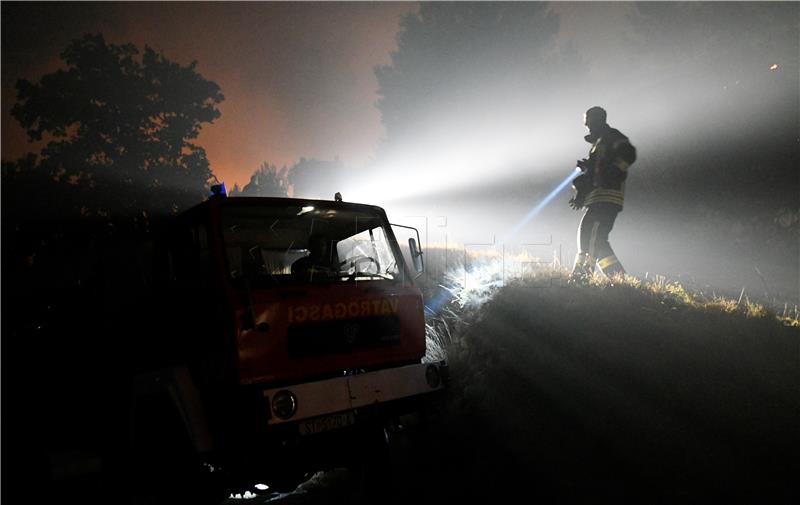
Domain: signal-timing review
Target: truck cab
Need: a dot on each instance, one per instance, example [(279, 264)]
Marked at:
[(286, 333)]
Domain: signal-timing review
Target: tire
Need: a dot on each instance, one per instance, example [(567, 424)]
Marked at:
[(163, 467), (374, 465)]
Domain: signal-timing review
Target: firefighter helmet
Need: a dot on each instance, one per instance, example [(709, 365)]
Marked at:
[(594, 117)]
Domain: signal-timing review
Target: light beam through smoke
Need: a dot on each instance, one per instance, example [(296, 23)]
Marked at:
[(541, 205)]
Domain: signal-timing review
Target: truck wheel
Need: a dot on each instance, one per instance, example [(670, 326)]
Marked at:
[(374, 465), (163, 465)]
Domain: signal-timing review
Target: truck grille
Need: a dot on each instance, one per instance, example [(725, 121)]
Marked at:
[(343, 336)]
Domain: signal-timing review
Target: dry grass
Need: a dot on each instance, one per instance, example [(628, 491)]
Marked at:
[(621, 390), (457, 284)]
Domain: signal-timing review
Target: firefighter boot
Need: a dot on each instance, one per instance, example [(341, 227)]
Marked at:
[(611, 266), (582, 270)]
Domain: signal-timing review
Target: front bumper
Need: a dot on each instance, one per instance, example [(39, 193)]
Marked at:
[(354, 392)]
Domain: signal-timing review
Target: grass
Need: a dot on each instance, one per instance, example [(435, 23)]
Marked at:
[(622, 391), (458, 284)]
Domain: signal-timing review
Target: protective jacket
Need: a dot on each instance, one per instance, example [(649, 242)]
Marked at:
[(609, 158)]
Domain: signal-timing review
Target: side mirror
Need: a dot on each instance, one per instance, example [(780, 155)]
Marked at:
[(416, 256), (413, 249)]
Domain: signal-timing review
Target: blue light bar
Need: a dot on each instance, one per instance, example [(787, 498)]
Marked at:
[(219, 190)]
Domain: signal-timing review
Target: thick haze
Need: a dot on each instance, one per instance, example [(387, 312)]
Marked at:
[(475, 114), (707, 92)]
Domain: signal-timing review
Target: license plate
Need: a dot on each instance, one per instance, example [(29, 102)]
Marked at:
[(327, 423)]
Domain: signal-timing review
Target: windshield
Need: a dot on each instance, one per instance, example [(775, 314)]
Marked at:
[(291, 244)]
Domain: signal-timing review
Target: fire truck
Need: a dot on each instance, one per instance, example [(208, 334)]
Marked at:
[(280, 336)]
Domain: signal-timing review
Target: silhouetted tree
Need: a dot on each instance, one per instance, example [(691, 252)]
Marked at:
[(27, 189), (452, 57), (119, 126), (268, 180)]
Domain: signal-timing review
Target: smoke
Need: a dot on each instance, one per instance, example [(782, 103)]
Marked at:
[(707, 93)]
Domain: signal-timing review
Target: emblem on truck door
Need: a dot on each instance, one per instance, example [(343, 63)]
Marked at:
[(351, 333), (343, 336)]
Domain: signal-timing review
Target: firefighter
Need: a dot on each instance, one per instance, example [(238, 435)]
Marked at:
[(601, 189), (319, 262)]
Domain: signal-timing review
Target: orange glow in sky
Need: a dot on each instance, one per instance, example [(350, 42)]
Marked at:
[(297, 77)]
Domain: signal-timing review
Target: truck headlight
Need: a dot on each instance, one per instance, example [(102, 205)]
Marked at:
[(284, 404)]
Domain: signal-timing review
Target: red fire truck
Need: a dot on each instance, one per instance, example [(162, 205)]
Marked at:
[(287, 335)]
